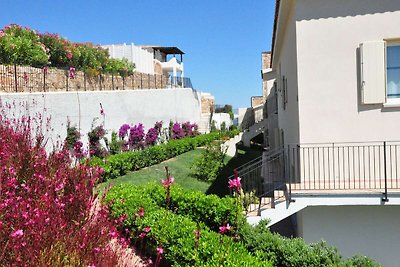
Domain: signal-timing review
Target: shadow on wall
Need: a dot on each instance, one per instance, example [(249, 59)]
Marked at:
[(343, 8), (248, 119)]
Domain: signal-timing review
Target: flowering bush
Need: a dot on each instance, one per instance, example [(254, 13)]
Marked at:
[(151, 136), (20, 45), (48, 216), (177, 131), (136, 135)]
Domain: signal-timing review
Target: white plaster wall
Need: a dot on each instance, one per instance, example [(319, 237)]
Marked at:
[(143, 58), (366, 230), (132, 107), (219, 118), (328, 34), (286, 65)]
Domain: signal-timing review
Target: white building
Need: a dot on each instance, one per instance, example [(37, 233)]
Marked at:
[(333, 107), (150, 59)]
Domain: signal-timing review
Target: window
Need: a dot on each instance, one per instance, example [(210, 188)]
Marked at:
[(393, 70)]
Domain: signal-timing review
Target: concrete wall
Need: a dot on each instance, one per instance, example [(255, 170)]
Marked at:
[(365, 230), (139, 106), (328, 36)]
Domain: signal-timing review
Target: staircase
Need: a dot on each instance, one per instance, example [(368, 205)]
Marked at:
[(253, 131)]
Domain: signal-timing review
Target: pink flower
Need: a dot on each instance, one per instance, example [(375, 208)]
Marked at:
[(235, 183), (122, 218), (168, 182), (140, 213), (142, 235), (69, 55), (160, 250), (224, 229), (91, 265), (147, 229), (149, 261), (17, 233)]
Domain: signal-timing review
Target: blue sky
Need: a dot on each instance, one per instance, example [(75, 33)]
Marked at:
[(222, 39)]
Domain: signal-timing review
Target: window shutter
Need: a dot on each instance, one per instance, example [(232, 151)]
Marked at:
[(372, 55)]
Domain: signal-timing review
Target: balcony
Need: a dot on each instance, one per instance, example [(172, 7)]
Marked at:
[(351, 169)]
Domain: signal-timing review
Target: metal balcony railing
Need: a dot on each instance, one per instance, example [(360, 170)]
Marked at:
[(179, 82), (351, 167)]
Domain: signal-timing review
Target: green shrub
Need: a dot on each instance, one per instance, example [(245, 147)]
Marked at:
[(360, 261), (20, 45), (120, 164), (294, 252), (208, 210), (209, 164), (174, 230)]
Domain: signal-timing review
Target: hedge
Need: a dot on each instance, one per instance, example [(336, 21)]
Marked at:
[(120, 164), (173, 229)]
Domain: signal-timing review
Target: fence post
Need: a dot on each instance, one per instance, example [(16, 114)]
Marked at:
[(385, 195), (112, 81), (66, 79), (44, 80), (15, 78), (84, 81)]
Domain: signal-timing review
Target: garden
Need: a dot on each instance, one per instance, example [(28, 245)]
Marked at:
[(85, 206), (50, 215)]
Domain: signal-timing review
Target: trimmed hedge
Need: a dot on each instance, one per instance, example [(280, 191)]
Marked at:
[(208, 210), (120, 164), (173, 229)]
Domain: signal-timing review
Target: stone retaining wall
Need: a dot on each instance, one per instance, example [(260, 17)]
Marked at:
[(30, 79)]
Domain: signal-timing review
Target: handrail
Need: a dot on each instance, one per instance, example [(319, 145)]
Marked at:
[(364, 166)]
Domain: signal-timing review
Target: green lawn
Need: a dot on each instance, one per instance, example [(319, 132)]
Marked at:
[(180, 169)]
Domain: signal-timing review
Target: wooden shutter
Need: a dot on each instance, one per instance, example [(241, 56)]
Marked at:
[(372, 56)]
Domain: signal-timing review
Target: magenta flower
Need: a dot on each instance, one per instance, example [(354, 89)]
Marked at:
[(142, 235), (123, 130), (140, 213), (160, 250), (235, 183), (224, 229), (91, 265), (168, 182), (17, 233), (147, 229), (69, 55)]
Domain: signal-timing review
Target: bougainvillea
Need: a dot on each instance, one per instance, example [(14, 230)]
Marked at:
[(136, 135), (123, 130), (151, 136), (177, 131)]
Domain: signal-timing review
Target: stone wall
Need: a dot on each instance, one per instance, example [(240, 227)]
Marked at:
[(207, 103), (256, 101), (30, 79)]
